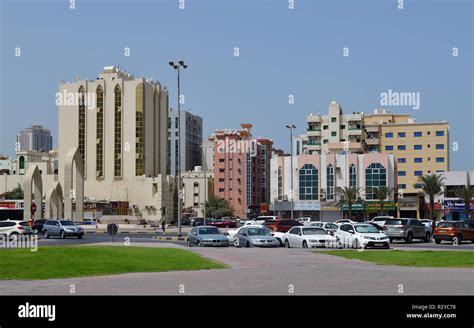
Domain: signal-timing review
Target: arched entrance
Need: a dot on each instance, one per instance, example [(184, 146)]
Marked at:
[(54, 202), (32, 179), (74, 160)]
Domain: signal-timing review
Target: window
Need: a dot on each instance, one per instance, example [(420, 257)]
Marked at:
[(139, 136), (440, 133), (402, 186), (82, 124), (418, 186), (402, 134), (325, 127), (389, 135), (334, 134), (418, 160), (330, 182), (221, 170), (417, 134), (308, 182), (343, 127), (417, 147), (333, 119), (280, 183), (388, 147), (439, 146), (99, 153), (402, 173), (352, 175), (402, 160), (117, 132), (375, 176), (221, 189), (439, 159), (401, 147), (325, 141), (418, 173)]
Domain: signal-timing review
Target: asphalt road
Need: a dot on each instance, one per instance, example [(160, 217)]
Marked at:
[(255, 271)]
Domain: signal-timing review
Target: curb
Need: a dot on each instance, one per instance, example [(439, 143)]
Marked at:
[(169, 238)]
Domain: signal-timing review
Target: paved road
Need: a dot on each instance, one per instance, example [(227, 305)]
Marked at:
[(264, 271)]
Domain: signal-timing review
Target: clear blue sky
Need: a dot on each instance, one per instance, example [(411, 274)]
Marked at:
[(282, 52)]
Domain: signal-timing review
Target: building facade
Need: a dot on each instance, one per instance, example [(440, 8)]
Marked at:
[(35, 138), (316, 179), (242, 170), (334, 132), (191, 141), (120, 124), (450, 205), (198, 187)]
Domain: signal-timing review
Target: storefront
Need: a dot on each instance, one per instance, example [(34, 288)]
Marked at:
[(455, 210)]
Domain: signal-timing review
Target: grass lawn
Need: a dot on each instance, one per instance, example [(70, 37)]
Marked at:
[(80, 261), (436, 259)]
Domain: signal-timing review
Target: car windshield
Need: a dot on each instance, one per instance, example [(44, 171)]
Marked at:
[(258, 232), (209, 231), (314, 231), (366, 229), (446, 224), (67, 223), (396, 222)]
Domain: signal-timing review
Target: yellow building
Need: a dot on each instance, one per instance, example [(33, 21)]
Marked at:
[(419, 148)]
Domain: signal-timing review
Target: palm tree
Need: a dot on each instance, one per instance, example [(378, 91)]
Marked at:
[(365, 204), (382, 193), (466, 193), (347, 196), (432, 185)]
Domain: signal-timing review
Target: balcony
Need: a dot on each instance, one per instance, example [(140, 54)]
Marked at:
[(313, 132), (354, 131), (372, 141)]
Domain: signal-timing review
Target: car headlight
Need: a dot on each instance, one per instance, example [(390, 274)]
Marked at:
[(369, 238), (312, 240)]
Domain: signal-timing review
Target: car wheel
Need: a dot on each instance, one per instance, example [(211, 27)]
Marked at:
[(438, 241), (79, 236), (46, 234), (236, 243), (247, 244), (188, 243), (409, 238), (457, 240), (198, 243), (287, 244), (356, 244), (391, 240), (62, 235), (305, 244), (280, 243), (427, 237)]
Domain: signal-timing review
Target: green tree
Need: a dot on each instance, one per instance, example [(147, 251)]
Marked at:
[(347, 196), (382, 193), (16, 193), (432, 186), (218, 207), (466, 193)]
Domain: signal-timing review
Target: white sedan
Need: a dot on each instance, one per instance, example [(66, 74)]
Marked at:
[(361, 235), (232, 233), (308, 237)]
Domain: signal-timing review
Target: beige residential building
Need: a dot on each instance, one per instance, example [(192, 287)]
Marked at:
[(198, 188), (120, 124), (419, 148), (334, 132)]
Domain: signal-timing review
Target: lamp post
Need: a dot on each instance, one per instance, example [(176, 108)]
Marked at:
[(291, 127), (177, 66), (205, 181)]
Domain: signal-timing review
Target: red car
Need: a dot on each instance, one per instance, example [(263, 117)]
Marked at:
[(223, 223), (282, 225)]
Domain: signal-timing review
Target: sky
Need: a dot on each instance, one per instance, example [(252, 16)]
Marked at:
[(283, 52)]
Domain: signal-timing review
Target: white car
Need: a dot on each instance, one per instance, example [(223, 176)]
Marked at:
[(380, 220), (361, 235), (328, 226), (308, 237), (339, 222), (11, 228), (304, 220), (232, 233)]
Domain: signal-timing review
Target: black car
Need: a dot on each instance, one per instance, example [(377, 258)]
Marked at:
[(38, 225), (198, 222), (185, 221)]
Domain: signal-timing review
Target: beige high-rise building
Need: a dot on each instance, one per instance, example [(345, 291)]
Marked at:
[(120, 124), (419, 148), (334, 132)]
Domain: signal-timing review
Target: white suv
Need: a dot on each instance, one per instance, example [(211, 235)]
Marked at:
[(361, 235), (11, 228)]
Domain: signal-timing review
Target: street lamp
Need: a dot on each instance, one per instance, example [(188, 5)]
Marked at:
[(205, 181), (291, 127), (177, 66)]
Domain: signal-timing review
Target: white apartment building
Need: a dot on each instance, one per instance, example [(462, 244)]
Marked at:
[(334, 132), (119, 123), (198, 188)]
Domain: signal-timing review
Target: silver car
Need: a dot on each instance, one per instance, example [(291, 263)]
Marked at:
[(407, 229), (62, 229), (255, 237)]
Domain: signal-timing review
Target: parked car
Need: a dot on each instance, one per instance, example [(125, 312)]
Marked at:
[(339, 222), (380, 220), (283, 225), (206, 236), (231, 233), (38, 225), (308, 237), (407, 229), (225, 222), (186, 221), (198, 222), (454, 232), (361, 235), (428, 223), (14, 228), (62, 229), (328, 226), (255, 237), (304, 220)]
